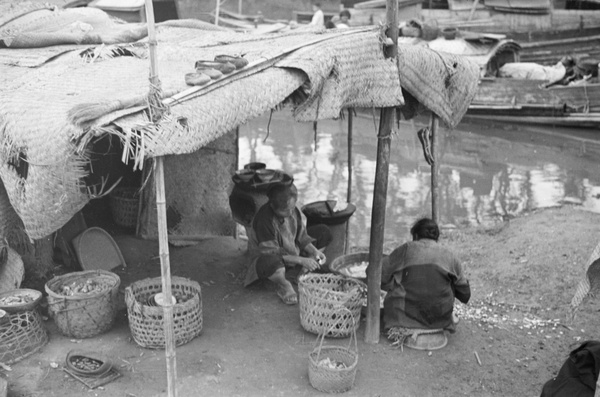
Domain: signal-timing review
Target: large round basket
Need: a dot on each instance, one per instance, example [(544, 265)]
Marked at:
[(83, 315), (146, 318), (323, 300), (332, 369), (124, 206)]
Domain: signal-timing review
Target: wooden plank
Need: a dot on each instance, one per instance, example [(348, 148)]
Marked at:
[(381, 4), (519, 5), (577, 120)]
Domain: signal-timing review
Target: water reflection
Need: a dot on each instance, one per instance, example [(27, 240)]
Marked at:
[(487, 173)]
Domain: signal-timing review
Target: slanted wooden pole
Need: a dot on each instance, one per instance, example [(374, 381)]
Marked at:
[(217, 12), (386, 124), (435, 169), (349, 191), (161, 209), (473, 8)]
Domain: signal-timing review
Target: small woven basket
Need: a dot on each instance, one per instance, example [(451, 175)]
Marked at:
[(328, 379), (322, 296), (84, 315), (21, 334), (146, 321), (124, 206)]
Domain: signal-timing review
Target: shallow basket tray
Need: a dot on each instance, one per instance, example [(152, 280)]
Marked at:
[(84, 315), (146, 322), (341, 264), (324, 298), (23, 307)]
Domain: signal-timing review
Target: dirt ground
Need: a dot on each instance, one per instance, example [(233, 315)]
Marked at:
[(523, 275)]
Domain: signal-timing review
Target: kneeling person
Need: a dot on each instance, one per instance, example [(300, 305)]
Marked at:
[(422, 279)]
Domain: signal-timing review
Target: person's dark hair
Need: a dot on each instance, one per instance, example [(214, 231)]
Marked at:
[(345, 13), (425, 228), (329, 25), (280, 194)]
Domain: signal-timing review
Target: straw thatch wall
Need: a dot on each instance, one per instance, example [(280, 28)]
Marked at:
[(56, 100)]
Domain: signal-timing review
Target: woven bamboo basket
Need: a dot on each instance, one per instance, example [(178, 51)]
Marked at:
[(84, 315), (21, 334), (332, 379), (124, 206), (146, 320), (322, 298)]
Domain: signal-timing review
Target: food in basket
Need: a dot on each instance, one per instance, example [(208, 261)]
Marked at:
[(16, 299), (357, 270), (85, 363), (88, 286), (331, 364)]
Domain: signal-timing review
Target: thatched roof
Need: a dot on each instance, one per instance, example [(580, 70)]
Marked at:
[(55, 100)]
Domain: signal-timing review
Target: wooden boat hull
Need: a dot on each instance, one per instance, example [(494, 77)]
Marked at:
[(527, 101)]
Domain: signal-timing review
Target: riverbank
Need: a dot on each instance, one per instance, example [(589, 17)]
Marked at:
[(523, 274)]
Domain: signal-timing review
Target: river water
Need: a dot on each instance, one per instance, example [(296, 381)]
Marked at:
[(488, 172)]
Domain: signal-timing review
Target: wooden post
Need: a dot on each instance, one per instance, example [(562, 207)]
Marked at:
[(349, 191), (161, 209), (386, 124), (240, 6), (435, 169)]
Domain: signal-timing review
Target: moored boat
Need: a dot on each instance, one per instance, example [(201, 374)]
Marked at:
[(542, 27), (573, 99)]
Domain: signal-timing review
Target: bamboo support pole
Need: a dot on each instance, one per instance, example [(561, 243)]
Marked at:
[(161, 209), (435, 169), (349, 191), (386, 124), (165, 268)]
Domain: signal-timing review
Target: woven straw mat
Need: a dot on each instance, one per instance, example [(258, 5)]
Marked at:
[(590, 278), (34, 107), (443, 83)]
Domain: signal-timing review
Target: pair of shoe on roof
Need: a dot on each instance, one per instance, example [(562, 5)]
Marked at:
[(212, 70)]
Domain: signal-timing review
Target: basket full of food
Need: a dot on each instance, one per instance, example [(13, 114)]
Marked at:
[(145, 302), (323, 296), (332, 369), (87, 363), (83, 304), (351, 265)]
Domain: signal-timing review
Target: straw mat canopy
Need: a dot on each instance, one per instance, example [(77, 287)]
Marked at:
[(65, 96)]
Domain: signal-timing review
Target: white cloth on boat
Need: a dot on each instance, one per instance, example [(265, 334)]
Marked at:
[(532, 71)]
